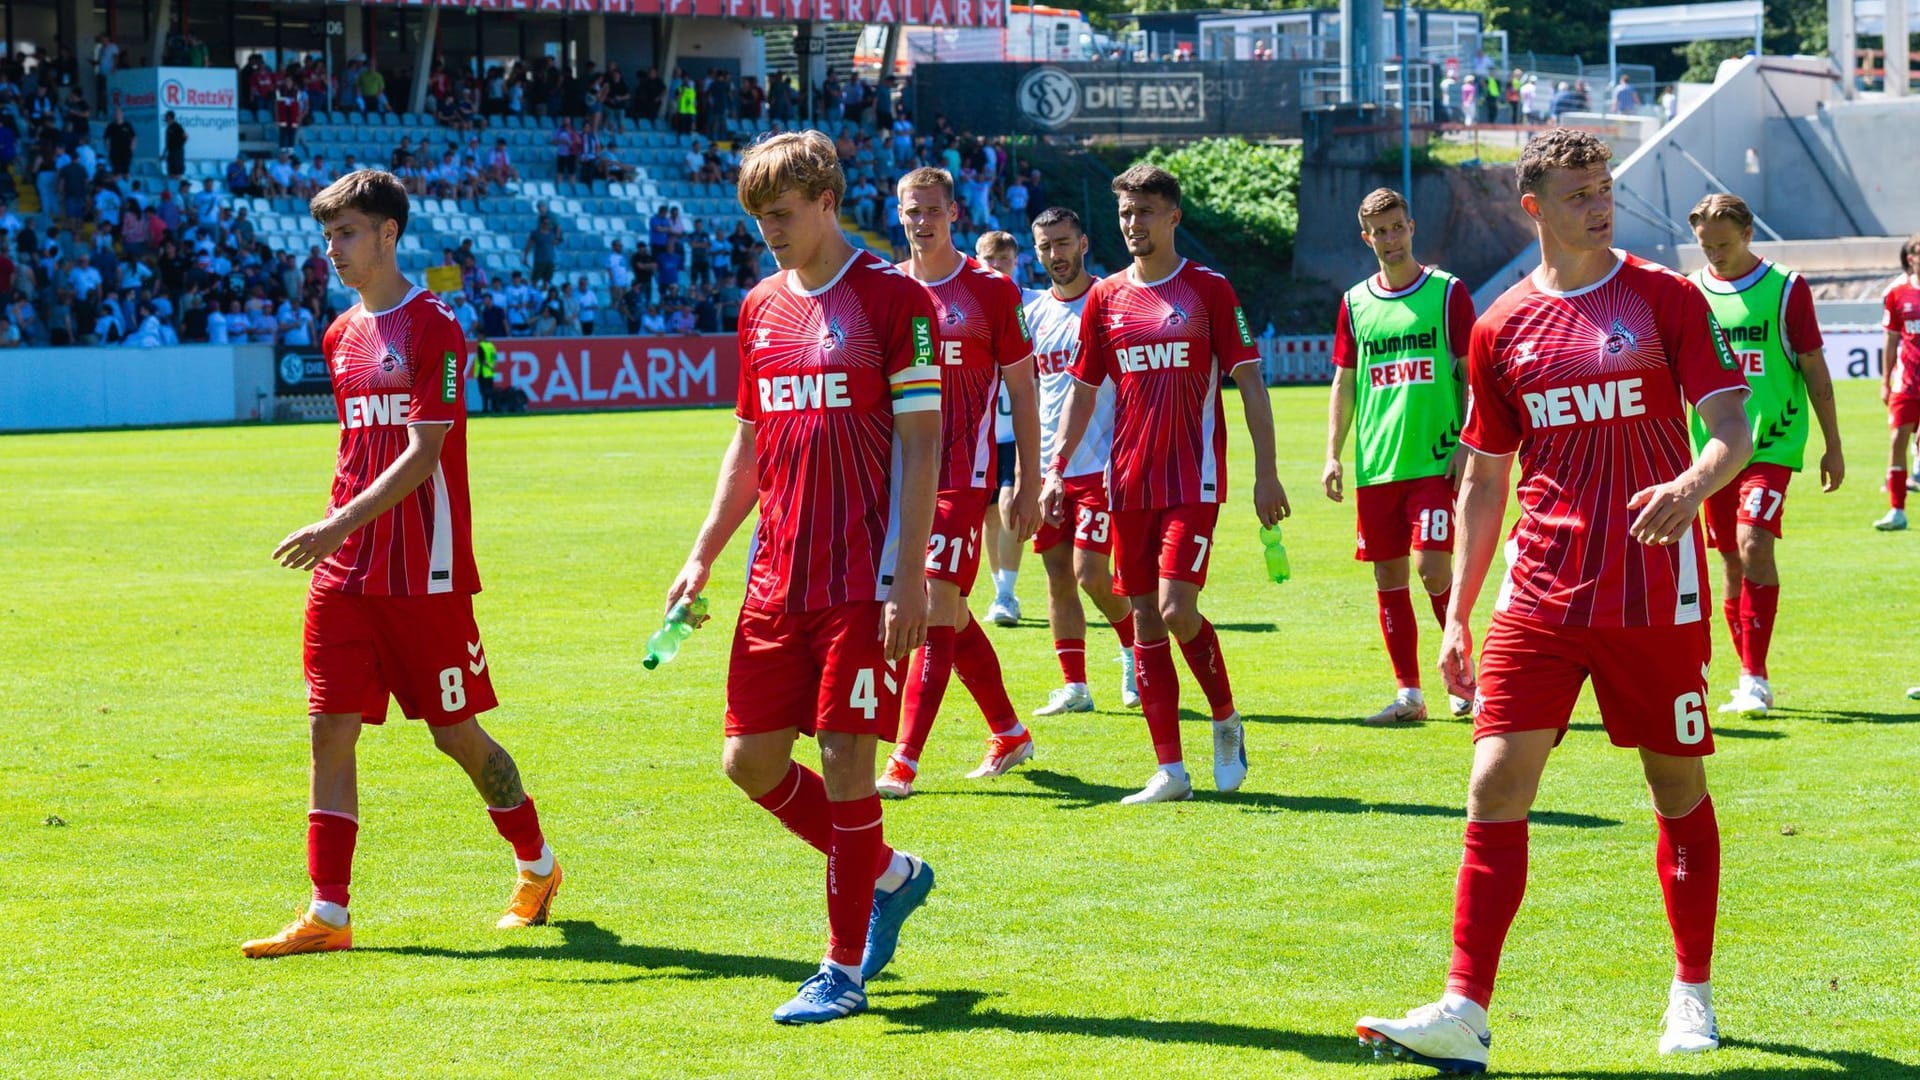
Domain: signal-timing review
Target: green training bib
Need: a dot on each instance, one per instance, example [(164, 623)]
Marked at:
[(1755, 322), (1407, 411)]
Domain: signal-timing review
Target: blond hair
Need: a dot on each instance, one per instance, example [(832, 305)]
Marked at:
[(800, 161), (993, 243), (1721, 206), (373, 192), (1561, 148), (927, 176)]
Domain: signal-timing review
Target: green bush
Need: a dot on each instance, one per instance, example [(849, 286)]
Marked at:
[(1231, 187)]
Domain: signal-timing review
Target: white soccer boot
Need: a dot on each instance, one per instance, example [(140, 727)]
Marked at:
[(1004, 611), (1163, 787), (1895, 521), (1461, 707), (1689, 1026), (1752, 697), (1129, 682), (1407, 706), (1073, 697), (1229, 753), (1430, 1036)]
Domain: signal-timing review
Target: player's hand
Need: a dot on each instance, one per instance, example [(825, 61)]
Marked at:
[(1457, 466), (1886, 393), (903, 628), (1053, 498), (692, 579), (1270, 501), (1666, 513), (1456, 659), (1833, 469), (1023, 513), (1332, 480), (304, 549)]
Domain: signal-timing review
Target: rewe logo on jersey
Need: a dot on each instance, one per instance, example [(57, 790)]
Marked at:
[(1585, 403), (794, 393), (1411, 371), (374, 410), (1156, 357)]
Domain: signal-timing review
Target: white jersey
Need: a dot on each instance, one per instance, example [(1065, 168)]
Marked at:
[(1055, 325), (1003, 414)]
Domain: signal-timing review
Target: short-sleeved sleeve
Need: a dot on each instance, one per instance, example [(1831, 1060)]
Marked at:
[(746, 402), (1090, 361), (1702, 359), (912, 379), (1460, 316), (1801, 322), (1346, 349), (1493, 424), (1889, 317), (1013, 342), (1232, 339), (439, 391)]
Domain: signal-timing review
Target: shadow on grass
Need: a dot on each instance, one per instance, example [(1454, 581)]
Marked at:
[(1073, 793), (1248, 627), (1719, 732), (1843, 716), (970, 1010), (587, 941), (1806, 1062)]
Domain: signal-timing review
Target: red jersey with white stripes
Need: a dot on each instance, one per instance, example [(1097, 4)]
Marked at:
[(1591, 388), (982, 328), (1167, 346), (1900, 313), (390, 370), (822, 374)]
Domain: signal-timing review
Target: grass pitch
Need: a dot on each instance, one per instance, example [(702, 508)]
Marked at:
[(152, 793)]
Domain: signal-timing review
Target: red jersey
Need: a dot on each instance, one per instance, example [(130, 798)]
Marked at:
[(1901, 314), (1165, 344), (392, 369), (822, 375), (1591, 388), (982, 328)]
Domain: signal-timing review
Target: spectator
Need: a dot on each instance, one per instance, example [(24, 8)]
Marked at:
[(586, 306), (176, 148), (9, 334), (540, 248), (287, 114), (1626, 100), (500, 168), (373, 90), (653, 322), (493, 317), (120, 139), (619, 269), (645, 267), (522, 301)]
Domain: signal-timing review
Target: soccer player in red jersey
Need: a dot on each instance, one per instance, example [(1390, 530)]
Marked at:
[(838, 443), (1767, 312), (1166, 330), (390, 609), (1901, 319), (983, 339), (1585, 370)]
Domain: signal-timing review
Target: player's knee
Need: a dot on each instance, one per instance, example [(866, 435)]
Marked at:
[(1181, 618), (1390, 575), (1756, 552), (1436, 580), (751, 773), (1500, 794), (1093, 578), (332, 734)]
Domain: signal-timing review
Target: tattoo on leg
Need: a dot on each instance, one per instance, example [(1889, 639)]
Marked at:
[(499, 780)]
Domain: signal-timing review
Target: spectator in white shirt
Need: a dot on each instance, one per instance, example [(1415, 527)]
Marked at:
[(216, 325), (618, 270), (587, 301)]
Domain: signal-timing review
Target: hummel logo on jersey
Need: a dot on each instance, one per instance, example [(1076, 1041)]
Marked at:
[(762, 336), (1116, 319), (1522, 352), (793, 393), (1564, 406), (479, 664), (374, 410), (1155, 357)]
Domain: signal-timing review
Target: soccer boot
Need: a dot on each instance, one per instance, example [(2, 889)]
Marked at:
[(890, 911), (1428, 1036), (1003, 753), (828, 995), (1004, 611), (1461, 707), (1229, 753), (1894, 521), (1073, 697), (1129, 682), (1913, 481), (1689, 1026), (303, 935), (1406, 707), (897, 781), (1163, 787), (1752, 697), (532, 899)]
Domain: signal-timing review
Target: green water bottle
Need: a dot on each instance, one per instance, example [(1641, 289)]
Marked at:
[(1277, 567), (682, 620)]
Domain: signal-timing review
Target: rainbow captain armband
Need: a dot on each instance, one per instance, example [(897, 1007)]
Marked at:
[(916, 389)]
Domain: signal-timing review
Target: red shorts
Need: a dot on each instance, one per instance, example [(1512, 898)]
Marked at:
[(1756, 497), (953, 548), (822, 670), (1173, 542), (423, 650), (1084, 511), (1650, 681), (1903, 410), (1404, 515)]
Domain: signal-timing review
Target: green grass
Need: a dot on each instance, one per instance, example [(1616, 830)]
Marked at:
[(150, 698)]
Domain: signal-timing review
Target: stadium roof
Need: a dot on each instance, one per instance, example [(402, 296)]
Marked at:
[(968, 13)]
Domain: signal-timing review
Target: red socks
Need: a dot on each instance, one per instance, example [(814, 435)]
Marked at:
[(1688, 858), (854, 858), (979, 669), (1073, 658), (1758, 605), (800, 802), (1210, 668), (330, 838), (927, 675), (1124, 631), (520, 826), (1159, 697), (1736, 629), (1897, 488), (1486, 896), (1440, 600), (1403, 636)]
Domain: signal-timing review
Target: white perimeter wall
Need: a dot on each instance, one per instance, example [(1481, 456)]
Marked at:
[(42, 389)]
